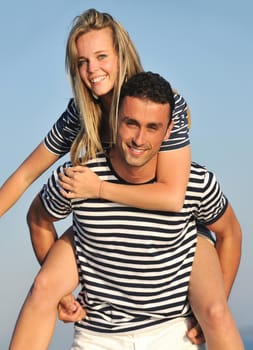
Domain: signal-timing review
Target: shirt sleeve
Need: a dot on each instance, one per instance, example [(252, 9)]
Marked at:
[(54, 203), (204, 232), (60, 138), (213, 202), (179, 136)]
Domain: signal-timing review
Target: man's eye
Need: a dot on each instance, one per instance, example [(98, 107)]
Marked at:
[(130, 123), (153, 127)]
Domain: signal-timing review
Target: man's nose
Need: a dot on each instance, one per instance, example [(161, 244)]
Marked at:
[(139, 137)]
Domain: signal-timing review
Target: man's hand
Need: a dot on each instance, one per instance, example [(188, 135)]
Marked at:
[(195, 333), (69, 310)]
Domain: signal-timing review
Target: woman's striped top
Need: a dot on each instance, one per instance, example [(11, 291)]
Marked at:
[(61, 136)]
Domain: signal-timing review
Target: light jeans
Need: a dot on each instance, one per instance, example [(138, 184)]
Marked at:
[(168, 336)]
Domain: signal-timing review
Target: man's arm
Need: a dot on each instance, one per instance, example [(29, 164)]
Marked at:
[(42, 230), (228, 245), (43, 235)]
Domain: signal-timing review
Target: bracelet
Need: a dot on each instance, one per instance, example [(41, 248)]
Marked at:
[(100, 188)]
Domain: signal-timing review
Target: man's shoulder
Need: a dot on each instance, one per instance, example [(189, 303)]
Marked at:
[(98, 160)]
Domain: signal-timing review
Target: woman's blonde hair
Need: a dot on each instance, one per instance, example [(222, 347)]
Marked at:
[(88, 141)]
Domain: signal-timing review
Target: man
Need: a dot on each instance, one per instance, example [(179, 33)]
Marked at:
[(134, 265)]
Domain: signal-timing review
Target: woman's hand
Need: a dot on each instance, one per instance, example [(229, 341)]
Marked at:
[(79, 182)]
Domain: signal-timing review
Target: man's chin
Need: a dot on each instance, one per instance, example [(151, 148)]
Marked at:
[(135, 163)]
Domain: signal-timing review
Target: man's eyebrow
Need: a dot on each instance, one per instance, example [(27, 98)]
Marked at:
[(126, 118), (159, 124)]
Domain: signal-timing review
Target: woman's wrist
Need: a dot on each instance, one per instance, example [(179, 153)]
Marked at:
[(100, 189)]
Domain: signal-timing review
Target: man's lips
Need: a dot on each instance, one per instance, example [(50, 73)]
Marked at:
[(136, 150)]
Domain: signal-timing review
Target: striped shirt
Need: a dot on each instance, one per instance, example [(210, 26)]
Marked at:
[(134, 265), (64, 131)]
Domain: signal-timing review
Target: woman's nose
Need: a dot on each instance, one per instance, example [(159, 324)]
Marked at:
[(92, 65)]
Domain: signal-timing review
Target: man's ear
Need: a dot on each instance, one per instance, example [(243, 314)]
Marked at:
[(170, 127)]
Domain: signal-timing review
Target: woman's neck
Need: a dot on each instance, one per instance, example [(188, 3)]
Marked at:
[(106, 102)]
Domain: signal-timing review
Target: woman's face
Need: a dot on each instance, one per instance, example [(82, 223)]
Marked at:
[(98, 61)]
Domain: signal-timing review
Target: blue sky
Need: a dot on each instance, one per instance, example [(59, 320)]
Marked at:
[(204, 48)]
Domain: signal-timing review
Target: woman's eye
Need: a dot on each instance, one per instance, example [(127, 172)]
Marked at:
[(82, 62), (102, 56)]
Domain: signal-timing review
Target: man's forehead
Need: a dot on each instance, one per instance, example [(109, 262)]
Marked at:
[(136, 107)]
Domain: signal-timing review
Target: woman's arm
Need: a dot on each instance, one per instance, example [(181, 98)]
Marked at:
[(58, 142), (36, 163), (166, 194)]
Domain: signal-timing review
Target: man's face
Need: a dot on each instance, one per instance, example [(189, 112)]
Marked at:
[(143, 125)]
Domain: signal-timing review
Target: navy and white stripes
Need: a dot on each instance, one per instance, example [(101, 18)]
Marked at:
[(134, 265), (64, 131)]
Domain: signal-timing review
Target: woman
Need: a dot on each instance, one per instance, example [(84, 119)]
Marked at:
[(100, 56), (98, 116)]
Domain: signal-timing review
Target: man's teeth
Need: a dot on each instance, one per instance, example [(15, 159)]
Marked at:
[(137, 150)]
